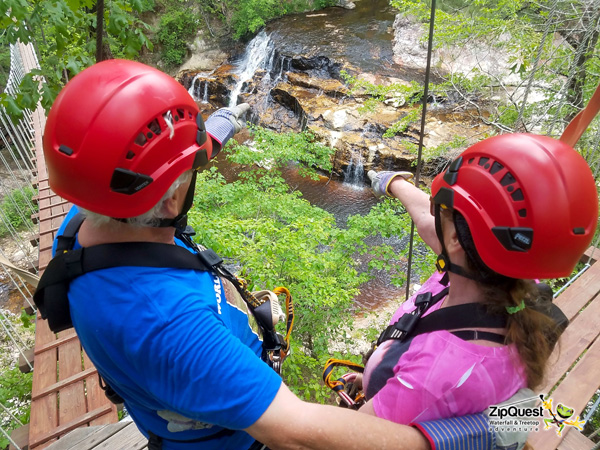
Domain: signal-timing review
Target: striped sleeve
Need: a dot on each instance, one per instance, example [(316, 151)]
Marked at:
[(459, 433)]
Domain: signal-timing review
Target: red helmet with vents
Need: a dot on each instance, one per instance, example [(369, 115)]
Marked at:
[(530, 202), (119, 134)]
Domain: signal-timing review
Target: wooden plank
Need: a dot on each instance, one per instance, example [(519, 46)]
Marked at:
[(21, 437), (578, 294), (87, 438), (592, 252), (48, 436), (576, 338), (95, 395), (65, 383), (72, 402), (44, 412), (64, 338), (574, 440), (46, 241), (129, 438), (574, 391)]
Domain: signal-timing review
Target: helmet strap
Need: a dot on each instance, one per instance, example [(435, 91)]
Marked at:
[(180, 221), (443, 262)]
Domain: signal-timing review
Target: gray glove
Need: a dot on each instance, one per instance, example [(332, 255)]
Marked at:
[(381, 180), (505, 437), (225, 122)]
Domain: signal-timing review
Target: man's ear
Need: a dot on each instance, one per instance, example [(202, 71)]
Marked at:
[(170, 206)]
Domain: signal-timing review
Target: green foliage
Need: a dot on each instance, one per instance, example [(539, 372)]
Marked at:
[(27, 320), (564, 74), (410, 93), (245, 17), (252, 15), (175, 30), (15, 209), (280, 239), (15, 394), (4, 64), (402, 125), (270, 148), (63, 32), (431, 153)]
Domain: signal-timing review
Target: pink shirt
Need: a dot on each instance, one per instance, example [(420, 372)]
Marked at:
[(437, 375)]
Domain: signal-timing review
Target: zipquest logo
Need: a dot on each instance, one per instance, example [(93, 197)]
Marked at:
[(514, 411), (513, 417)]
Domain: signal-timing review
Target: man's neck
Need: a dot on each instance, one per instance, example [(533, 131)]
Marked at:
[(114, 232)]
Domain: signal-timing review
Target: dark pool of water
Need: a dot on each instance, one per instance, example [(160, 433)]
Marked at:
[(362, 37)]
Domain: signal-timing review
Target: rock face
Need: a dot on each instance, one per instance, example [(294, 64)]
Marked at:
[(410, 50), (299, 101), (294, 88)]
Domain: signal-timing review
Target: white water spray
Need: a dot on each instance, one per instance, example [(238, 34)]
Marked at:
[(258, 55)]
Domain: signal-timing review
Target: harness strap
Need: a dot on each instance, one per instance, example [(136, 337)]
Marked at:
[(66, 241), (580, 122), (155, 442), (475, 335)]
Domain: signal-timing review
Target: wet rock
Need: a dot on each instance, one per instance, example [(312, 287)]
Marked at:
[(205, 54), (346, 4), (330, 87)]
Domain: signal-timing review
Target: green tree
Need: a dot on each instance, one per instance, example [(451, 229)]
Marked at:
[(277, 238), (63, 33), (176, 28), (562, 73)]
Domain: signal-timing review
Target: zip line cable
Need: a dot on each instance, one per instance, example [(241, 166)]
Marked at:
[(421, 137)]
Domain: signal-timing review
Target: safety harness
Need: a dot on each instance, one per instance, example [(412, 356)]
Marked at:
[(458, 320), (53, 303)]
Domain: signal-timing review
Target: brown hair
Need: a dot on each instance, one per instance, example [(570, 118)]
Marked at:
[(532, 331)]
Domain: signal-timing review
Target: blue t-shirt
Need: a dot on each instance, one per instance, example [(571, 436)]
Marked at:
[(179, 347)]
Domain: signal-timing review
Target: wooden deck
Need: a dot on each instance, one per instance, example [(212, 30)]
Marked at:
[(574, 374), (66, 394), (118, 436)]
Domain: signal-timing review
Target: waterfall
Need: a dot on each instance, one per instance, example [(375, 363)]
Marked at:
[(202, 86), (205, 92), (258, 55), (354, 173), (192, 90)]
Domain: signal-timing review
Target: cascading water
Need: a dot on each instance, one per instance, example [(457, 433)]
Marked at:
[(199, 92), (259, 54), (354, 173)]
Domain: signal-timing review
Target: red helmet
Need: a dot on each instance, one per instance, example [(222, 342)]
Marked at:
[(108, 144), (530, 203)]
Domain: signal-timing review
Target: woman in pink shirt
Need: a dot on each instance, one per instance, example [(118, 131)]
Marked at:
[(508, 210)]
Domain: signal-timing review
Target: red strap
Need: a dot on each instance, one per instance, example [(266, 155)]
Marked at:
[(580, 122)]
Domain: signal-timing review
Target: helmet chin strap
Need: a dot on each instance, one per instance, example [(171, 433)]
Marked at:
[(443, 262), (180, 221)]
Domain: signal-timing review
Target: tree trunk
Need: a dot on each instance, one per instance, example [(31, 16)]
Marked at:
[(99, 30)]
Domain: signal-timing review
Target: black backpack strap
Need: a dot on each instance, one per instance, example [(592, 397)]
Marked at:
[(51, 293), (470, 315), (407, 322), (66, 241), (475, 335)]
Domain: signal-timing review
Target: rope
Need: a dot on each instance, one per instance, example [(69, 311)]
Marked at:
[(421, 137)]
